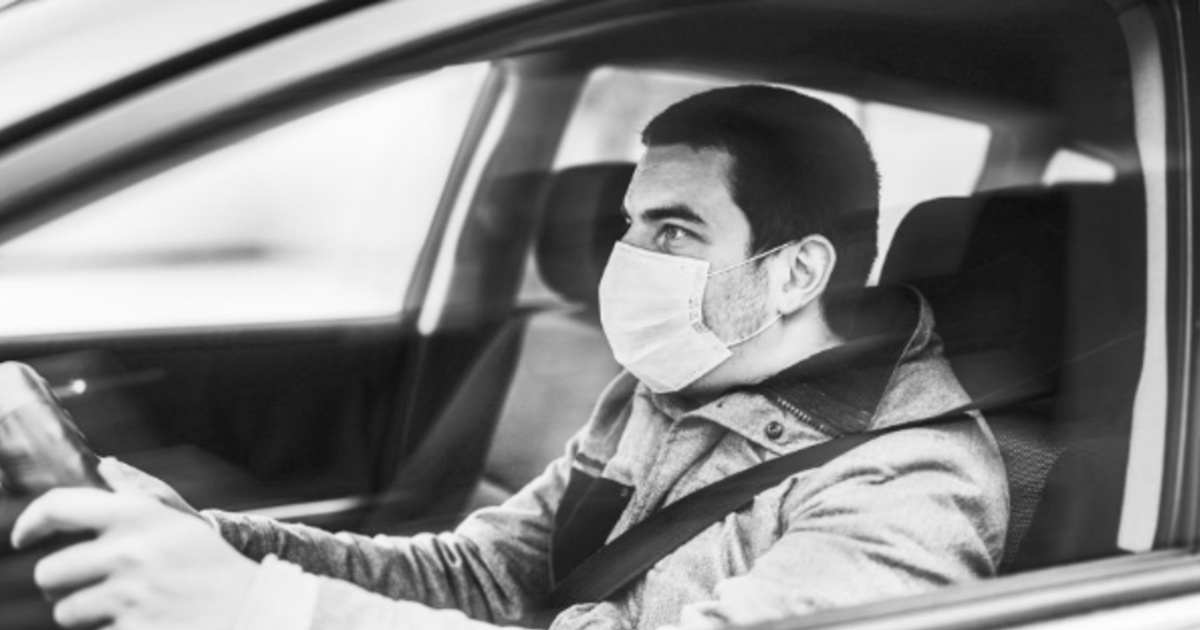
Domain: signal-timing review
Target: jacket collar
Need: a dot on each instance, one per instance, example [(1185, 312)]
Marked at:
[(841, 389), (838, 391)]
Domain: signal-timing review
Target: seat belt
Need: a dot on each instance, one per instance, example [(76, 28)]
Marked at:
[(632, 553)]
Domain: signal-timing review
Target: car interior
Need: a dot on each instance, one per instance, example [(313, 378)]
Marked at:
[(1039, 288)]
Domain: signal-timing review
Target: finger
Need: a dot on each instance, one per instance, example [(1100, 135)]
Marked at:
[(67, 510), (73, 568), (88, 608), (126, 479), (121, 477)]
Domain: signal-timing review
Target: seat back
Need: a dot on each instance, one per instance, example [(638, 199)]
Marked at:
[(464, 376), (534, 383), (565, 361), (1038, 296)]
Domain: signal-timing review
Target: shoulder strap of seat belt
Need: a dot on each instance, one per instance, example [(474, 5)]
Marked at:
[(632, 553)]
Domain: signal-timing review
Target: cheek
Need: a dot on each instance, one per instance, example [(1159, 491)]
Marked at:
[(735, 301)]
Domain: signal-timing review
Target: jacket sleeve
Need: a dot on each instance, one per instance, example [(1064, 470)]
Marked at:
[(282, 597), (493, 567), (902, 515)]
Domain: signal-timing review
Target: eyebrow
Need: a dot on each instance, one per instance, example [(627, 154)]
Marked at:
[(679, 213)]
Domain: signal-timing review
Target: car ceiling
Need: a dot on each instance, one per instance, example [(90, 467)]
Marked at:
[(1054, 58)]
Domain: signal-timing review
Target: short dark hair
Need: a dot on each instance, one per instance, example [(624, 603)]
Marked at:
[(799, 168)]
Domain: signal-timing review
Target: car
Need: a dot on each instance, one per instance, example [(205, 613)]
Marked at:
[(336, 262)]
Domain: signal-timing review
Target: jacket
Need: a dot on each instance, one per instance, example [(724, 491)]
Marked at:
[(911, 511)]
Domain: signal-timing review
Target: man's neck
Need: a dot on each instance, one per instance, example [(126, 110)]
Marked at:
[(772, 352)]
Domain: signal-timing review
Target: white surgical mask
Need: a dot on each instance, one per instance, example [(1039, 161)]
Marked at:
[(650, 308)]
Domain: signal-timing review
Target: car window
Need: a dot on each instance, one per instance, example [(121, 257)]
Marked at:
[(1009, 213), (318, 219), (921, 154), (1030, 194)]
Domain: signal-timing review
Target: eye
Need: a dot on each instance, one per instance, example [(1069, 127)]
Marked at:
[(670, 234)]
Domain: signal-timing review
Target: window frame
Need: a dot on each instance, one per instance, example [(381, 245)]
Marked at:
[(1178, 25)]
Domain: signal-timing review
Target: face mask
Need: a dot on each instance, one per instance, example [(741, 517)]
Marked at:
[(650, 308)]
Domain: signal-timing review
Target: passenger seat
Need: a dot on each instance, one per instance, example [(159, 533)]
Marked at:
[(535, 382), (565, 361)]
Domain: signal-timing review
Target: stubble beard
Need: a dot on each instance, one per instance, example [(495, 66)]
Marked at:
[(735, 304)]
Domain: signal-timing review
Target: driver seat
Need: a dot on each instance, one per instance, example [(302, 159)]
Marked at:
[(1039, 297)]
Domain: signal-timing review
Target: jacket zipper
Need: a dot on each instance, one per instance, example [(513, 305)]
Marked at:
[(823, 427)]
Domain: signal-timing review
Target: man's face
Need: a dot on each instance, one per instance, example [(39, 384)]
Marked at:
[(679, 203)]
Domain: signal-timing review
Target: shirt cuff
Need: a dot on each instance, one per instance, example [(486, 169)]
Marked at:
[(282, 597)]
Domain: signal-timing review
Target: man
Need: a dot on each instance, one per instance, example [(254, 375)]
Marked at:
[(734, 302)]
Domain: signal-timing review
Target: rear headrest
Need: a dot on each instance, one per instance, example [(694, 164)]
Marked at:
[(581, 222), (1023, 281)]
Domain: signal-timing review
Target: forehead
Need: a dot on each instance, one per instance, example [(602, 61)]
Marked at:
[(678, 175)]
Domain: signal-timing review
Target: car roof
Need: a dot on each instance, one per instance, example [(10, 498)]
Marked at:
[(964, 57), (56, 50), (977, 59)]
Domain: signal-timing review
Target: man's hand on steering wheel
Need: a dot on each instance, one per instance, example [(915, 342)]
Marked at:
[(148, 566)]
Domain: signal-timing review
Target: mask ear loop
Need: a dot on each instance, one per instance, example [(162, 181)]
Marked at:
[(750, 259)]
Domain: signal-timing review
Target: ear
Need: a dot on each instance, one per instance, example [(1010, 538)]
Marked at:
[(809, 264)]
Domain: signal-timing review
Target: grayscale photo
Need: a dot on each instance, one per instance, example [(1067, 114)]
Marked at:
[(599, 314)]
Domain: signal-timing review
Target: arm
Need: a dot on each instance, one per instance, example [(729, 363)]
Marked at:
[(495, 556), (152, 562), (491, 567), (447, 574), (495, 565), (151, 566)]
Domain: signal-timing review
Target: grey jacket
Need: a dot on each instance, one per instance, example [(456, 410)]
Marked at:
[(911, 511)]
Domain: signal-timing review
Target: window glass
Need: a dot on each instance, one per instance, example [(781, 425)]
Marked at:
[(1073, 166), (1049, 303), (1039, 291), (920, 154), (617, 102), (321, 218)]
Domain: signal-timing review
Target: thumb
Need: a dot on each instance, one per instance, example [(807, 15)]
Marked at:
[(125, 479), (122, 477)]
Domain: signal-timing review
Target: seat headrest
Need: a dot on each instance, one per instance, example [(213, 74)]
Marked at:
[(1023, 280), (581, 222)]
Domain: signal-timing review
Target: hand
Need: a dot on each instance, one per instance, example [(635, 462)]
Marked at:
[(126, 479), (149, 567)]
